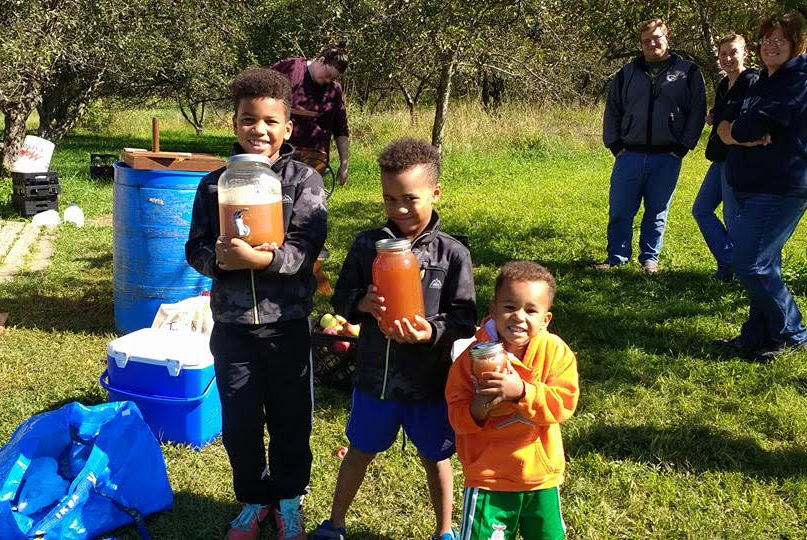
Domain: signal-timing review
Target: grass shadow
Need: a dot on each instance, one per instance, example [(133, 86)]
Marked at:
[(688, 448), (35, 307), (208, 518), (90, 398)]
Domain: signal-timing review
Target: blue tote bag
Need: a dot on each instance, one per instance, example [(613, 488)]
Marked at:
[(80, 472)]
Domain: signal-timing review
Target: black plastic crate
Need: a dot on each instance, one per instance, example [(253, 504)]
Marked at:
[(333, 368), (31, 206), (34, 179), (36, 190), (101, 166)]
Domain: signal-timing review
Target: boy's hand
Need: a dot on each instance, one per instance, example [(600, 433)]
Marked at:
[(481, 405), (372, 303), (404, 332), (266, 247), (235, 254), (506, 385)]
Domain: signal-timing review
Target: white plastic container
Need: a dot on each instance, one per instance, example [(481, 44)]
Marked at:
[(75, 215), (34, 156)]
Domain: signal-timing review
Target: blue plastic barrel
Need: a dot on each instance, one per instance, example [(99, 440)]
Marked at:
[(151, 219)]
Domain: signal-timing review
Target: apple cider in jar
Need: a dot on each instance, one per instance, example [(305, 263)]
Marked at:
[(250, 201), (396, 273), (487, 357)]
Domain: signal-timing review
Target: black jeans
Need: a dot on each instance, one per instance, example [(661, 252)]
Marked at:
[(264, 377)]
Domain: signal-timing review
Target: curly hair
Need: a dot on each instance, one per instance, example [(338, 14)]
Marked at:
[(525, 271), (792, 25), (402, 154), (335, 56), (261, 83)]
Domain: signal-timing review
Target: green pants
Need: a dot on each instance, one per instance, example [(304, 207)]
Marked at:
[(498, 515)]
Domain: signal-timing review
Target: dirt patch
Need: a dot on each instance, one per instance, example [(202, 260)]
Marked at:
[(101, 221)]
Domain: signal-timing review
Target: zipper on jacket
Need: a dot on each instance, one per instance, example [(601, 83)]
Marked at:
[(650, 103), (255, 318), (386, 369)]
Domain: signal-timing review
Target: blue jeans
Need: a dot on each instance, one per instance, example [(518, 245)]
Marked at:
[(714, 190), (764, 224), (637, 176)]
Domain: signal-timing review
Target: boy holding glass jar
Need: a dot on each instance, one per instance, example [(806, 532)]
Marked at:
[(507, 423), (260, 299), (401, 372)]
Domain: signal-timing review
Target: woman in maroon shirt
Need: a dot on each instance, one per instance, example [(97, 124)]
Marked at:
[(318, 107)]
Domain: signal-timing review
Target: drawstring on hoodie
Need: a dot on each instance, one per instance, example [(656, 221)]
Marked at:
[(386, 369)]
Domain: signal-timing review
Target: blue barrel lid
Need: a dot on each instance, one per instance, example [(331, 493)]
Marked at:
[(157, 178)]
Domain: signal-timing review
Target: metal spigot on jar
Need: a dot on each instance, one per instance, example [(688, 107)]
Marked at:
[(487, 357), (251, 200), (396, 274)]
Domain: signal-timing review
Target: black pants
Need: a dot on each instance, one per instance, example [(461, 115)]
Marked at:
[(264, 377)]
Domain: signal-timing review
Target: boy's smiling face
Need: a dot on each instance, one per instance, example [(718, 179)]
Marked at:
[(408, 199), (261, 126), (520, 310)]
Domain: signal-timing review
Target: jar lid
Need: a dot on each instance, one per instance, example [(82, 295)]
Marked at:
[(393, 244), (486, 348), (249, 158)]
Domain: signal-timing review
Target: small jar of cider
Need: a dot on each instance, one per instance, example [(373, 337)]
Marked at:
[(396, 274), (487, 357)]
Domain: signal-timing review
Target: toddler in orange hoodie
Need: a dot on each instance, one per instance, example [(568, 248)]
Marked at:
[(507, 424)]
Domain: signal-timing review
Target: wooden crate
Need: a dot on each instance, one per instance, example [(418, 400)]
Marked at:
[(175, 161)]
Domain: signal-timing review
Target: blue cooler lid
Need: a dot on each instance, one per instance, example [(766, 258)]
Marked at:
[(174, 349)]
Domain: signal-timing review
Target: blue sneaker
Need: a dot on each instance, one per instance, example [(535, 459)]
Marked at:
[(247, 526), (289, 519), (447, 536), (326, 531)]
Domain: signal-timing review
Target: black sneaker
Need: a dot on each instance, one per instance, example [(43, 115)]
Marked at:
[(768, 353), (735, 347), (724, 274)]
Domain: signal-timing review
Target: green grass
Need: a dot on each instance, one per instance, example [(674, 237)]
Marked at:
[(670, 440)]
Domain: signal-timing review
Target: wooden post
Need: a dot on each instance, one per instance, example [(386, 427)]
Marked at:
[(155, 134)]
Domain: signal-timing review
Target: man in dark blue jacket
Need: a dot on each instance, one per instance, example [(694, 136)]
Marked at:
[(654, 115)]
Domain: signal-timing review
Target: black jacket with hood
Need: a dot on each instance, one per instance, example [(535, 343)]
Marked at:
[(410, 372)]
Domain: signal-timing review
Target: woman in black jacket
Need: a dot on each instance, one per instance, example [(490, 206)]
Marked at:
[(767, 168), (715, 189)]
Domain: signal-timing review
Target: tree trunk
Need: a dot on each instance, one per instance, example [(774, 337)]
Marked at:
[(410, 103), (15, 116), (447, 65), (192, 115)]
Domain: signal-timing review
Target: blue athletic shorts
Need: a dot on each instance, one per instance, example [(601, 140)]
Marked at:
[(374, 423)]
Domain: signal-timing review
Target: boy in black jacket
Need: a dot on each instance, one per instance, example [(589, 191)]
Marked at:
[(400, 378), (261, 300)]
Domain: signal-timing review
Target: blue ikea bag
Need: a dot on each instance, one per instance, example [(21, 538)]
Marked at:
[(107, 454)]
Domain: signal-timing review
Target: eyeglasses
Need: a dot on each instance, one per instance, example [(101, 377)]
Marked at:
[(653, 39), (774, 41)]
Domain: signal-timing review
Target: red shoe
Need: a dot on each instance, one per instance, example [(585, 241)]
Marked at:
[(247, 526), (289, 519)]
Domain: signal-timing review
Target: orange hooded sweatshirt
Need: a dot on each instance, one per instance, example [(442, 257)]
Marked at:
[(518, 447)]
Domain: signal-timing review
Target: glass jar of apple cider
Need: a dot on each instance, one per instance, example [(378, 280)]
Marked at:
[(396, 273), (251, 200), (487, 357)]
